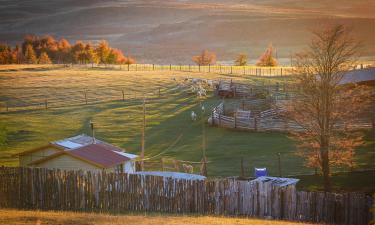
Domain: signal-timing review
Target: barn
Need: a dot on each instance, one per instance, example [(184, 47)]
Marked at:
[(80, 152)]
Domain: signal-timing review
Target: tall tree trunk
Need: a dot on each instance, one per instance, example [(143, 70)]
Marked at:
[(325, 164)]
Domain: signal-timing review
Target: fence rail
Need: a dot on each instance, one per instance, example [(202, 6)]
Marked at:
[(221, 69), (269, 120), (37, 188)]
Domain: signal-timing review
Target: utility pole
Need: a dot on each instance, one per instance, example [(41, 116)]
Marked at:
[(204, 159), (143, 135), (92, 132)]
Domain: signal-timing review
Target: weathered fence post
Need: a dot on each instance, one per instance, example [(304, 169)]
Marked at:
[(281, 71), (128, 67), (170, 66), (255, 124), (153, 66), (235, 120), (189, 68), (159, 92), (162, 164), (279, 163), (199, 67), (123, 95), (209, 68), (46, 104), (85, 97), (244, 70), (231, 70)]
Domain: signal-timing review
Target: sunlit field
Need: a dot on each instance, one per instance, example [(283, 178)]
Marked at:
[(42, 217), (118, 118)]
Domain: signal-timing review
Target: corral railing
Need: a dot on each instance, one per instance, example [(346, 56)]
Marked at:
[(269, 120), (36, 188)]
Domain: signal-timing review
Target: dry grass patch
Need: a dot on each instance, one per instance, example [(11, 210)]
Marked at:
[(41, 217)]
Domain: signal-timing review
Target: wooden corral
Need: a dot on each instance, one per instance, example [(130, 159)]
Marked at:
[(252, 118), (37, 188)]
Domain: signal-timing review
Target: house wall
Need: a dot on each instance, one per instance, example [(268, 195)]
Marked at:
[(66, 162), (129, 167), (24, 160)]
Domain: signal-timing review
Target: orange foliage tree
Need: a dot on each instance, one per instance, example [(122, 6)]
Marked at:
[(241, 60), (205, 58), (267, 58), (44, 59), (323, 107)]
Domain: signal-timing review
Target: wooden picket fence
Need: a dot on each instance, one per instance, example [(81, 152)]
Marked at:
[(37, 188)]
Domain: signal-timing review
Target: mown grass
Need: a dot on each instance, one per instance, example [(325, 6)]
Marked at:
[(119, 122), (9, 216)]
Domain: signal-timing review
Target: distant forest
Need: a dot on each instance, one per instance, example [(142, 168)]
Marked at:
[(47, 50)]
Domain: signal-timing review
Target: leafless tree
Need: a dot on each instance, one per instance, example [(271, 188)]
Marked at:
[(323, 107)]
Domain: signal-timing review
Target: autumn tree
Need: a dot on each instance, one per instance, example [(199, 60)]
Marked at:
[(5, 54), (91, 54), (129, 60), (102, 51), (119, 56), (44, 58), (30, 56), (17, 56), (63, 51), (267, 59), (325, 109), (78, 52), (49, 45), (241, 60), (205, 58)]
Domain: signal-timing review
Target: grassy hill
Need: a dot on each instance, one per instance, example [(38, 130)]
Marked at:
[(172, 31), (170, 131)]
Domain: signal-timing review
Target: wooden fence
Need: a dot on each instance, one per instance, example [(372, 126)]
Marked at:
[(269, 120), (36, 188), (221, 69)]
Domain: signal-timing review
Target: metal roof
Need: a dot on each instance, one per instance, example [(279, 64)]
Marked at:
[(100, 153), (358, 76), (174, 175), (277, 181), (76, 141), (130, 156)]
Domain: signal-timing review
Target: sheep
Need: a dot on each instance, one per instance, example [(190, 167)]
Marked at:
[(188, 168), (193, 116)]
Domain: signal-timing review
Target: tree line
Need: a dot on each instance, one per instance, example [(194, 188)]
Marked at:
[(209, 58), (47, 49)]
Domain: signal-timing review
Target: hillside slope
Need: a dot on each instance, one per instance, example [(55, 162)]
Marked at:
[(171, 31)]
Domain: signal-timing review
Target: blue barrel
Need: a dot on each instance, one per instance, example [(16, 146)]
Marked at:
[(260, 172)]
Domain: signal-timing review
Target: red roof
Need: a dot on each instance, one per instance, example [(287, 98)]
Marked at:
[(99, 153)]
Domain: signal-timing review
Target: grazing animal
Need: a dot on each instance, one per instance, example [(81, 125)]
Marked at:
[(188, 168), (193, 116)]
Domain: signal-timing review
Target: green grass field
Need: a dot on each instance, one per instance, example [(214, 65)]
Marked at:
[(119, 122)]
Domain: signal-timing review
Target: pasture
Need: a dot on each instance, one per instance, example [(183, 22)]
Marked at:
[(114, 104), (53, 217)]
